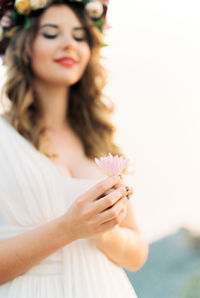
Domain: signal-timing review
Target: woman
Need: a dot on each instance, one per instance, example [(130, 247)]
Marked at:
[(66, 229)]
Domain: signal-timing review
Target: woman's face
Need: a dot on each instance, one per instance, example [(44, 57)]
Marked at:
[(60, 52)]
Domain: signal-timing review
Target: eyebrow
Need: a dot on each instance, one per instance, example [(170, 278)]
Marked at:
[(56, 26), (49, 25)]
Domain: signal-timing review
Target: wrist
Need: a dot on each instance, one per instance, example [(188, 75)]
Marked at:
[(104, 236), (64, 231)]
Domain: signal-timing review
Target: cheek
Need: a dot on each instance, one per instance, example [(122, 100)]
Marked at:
[(85, 54), (41, 54)]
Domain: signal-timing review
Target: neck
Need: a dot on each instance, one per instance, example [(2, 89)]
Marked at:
[(53, 105)]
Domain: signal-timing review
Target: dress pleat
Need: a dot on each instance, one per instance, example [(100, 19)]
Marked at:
[(33, 192)]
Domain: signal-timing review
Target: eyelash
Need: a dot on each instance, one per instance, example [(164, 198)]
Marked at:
[(54, 36), (49, 36)]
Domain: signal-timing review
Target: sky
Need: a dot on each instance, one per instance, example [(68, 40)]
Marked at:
[(153, 63)]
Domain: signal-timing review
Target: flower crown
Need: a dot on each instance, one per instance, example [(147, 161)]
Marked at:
[(17, 13)]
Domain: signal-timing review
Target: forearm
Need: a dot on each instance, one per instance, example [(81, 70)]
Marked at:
[(123, 246), (20, 253)]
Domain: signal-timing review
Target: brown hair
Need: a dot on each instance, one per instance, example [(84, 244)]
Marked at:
[(88, 112)]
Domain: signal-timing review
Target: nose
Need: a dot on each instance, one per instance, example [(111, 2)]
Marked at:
[(69, 43)]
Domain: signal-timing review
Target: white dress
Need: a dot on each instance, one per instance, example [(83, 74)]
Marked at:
[(33, 192)]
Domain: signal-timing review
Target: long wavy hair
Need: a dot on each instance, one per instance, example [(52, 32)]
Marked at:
[(89, 111)]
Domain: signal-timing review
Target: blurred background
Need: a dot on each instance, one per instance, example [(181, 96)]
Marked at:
[(153, 59), (154, 64)]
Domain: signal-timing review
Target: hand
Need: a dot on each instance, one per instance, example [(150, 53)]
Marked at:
[(97, 239), (98, 210)]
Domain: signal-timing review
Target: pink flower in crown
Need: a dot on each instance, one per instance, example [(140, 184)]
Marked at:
[(112, 165), (7, 20)]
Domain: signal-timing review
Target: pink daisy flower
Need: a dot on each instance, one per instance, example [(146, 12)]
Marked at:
[(112, 165)]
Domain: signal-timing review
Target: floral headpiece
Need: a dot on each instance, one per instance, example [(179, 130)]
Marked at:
[(17, 13)]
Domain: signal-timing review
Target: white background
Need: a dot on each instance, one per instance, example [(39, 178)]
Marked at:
[(153, 60)]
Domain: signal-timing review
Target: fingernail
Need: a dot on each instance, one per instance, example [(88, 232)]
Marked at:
[(128, 197), (127, 188)]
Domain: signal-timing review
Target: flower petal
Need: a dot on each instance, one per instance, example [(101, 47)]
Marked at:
[(112, 165)]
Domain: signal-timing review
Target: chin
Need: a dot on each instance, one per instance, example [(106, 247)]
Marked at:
[(62, 81), (68, 80)]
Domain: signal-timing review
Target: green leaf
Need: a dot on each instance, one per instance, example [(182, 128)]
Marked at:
[(103, 45), (99, 24), (27, 23), (13, 13)]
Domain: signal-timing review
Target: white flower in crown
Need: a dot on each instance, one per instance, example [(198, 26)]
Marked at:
[(112, 165), (94, 9), (36, 4)]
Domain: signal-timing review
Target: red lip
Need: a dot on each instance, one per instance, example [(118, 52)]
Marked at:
[(66, 61)]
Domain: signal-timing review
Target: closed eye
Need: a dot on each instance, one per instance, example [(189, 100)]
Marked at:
[(79, 38), (50, 36), (78, 33)]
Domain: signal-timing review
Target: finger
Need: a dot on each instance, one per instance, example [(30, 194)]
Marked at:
[(109, 225), (97, 190), (122, 215), (122, 181), (129, 190), (109, 190), (112, 212), (114, 187), (118, 185), (110, 199)]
